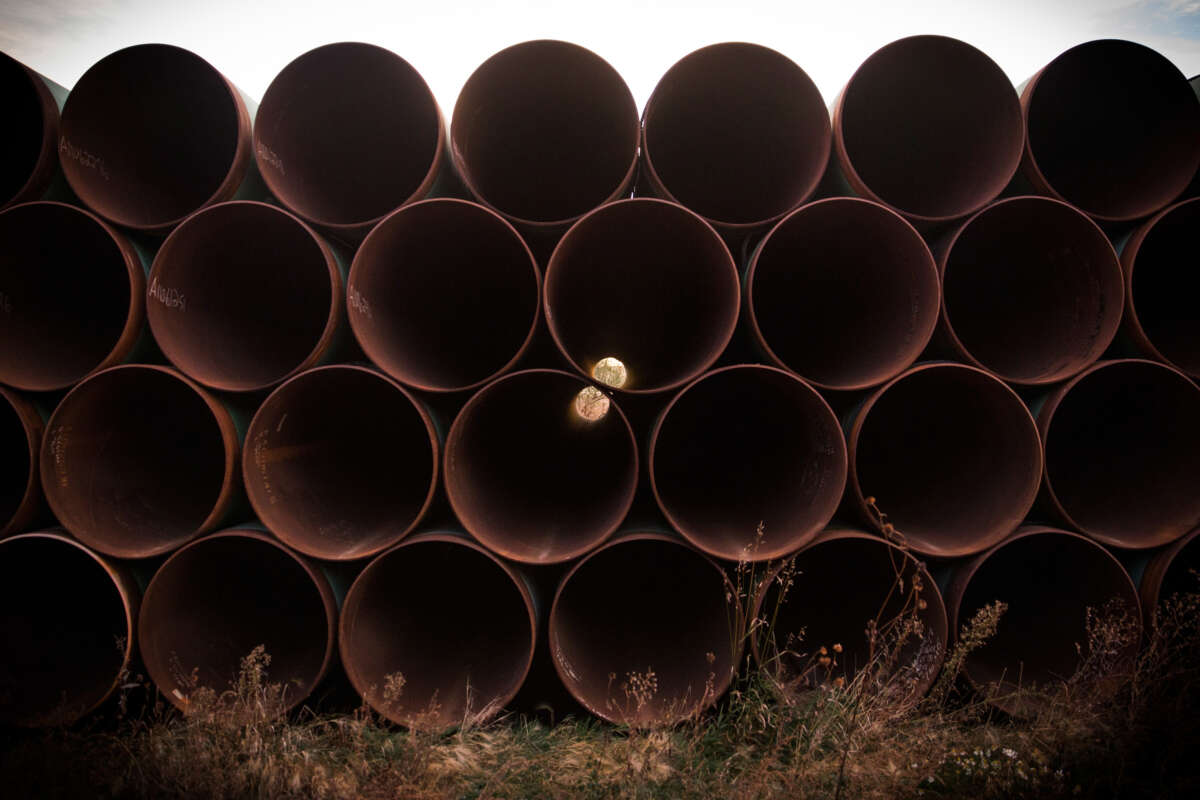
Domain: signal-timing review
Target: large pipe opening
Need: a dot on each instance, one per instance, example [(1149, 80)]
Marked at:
[(30, 133), (21, 431)]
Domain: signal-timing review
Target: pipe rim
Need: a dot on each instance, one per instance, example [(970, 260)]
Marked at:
[(33, 427), (42, 173)]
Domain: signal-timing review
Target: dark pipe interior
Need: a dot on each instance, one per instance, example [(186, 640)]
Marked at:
[(149, 134), (545, 131), (63, 650), (749, 445), (111, 462), (339, 462), (1123, 453), (737, 133), (530, 477), (457, 651), (1033, 290), (346, 133), (240, 296), (443, 295), (1165, 284), (932, 126), (15, 462), (211, 604), (1182, 575), (64, 295), (845, 293), (24, 130), (1114, 128), (951, 456), (645, 282), (638, 609)]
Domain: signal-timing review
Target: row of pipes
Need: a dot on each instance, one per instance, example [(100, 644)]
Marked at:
[(612, 404)]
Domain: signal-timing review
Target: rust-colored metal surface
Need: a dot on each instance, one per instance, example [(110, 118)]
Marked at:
[(1161, 282), (64, 651), (1113, 129), (951, 456), (1171, 571), (150, 134), (844, 293), (736, 132), (340, 462), (535, 474), (30, 155), (346, 133), (138, 459), (1031, 290), (429, 658), (746, 445), (71, 296), (867, 626), (643, 632), (21, 430), (244, 295), (647, 282), (217, 599), (1122, 442), (930, 127), (1049, 579), (437, 261)]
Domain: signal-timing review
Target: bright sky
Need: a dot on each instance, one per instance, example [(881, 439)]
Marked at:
[(251, 41)]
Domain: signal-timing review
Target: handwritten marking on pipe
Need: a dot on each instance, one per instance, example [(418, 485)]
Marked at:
[(359, 303), (260, 461), (279, 427), (5, 303), (81, 156), (59, 440), (271, 157), (171, 298)]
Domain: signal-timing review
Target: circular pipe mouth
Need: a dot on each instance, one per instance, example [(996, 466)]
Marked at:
[(1113, 129), (545, 131), (646, 282), (71, 292), (433, 665), (1051, 582), (1171, 571), (244, 295), (949, 455), (30, 133), (930, 127), (111, 462), (152, 133), (535, 472), (21, 430), (1160, 280), (444, 295), (1122, 444), (748, 463), (64, 651), (848, 266), (336, 155), (642, 632), (217, 600), (1031, 290), (325, 484), (736, 132), (800, 625)]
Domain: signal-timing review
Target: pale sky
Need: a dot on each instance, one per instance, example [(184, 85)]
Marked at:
[(251, 41)]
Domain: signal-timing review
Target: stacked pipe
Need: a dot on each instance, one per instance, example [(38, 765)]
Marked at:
[(449, 410)]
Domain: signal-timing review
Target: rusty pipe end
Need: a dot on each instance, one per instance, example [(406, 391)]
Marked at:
[(21, 430), (30, 135), (1171, 571)]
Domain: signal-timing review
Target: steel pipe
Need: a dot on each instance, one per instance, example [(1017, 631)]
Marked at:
[(212, 603), (428, 658), (152, 133), (1049, 579), (646, 282), (1160, 281), (1169, 572), (644, 631), (66, 629), (541, 466), (30, 158), (21, 430), (1113, 129), (346, 133), (844, 293), (244, 295), (736, 132), (138, 459), (444, 295), (340, 462), (1031, 290), (745, 446), (949, 454), (930, 127), (71, 296), (1122, 443)]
